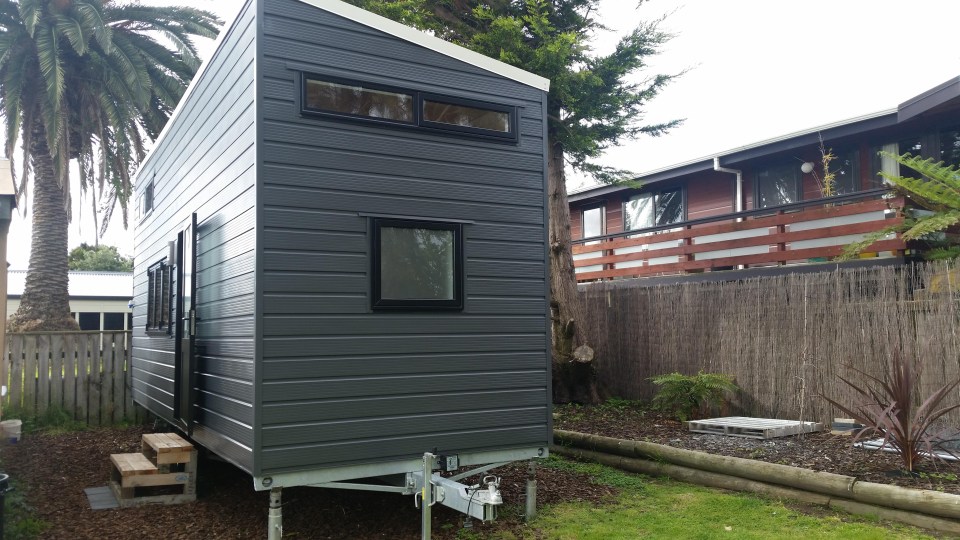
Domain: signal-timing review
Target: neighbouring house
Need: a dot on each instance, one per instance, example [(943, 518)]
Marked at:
[(341, 253), (98, 300), (761, 205)]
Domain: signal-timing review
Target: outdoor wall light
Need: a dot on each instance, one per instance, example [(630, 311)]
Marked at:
[(807, 167)]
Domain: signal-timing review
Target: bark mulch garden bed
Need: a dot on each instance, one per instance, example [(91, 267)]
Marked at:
[(52, 470), (815, 451)]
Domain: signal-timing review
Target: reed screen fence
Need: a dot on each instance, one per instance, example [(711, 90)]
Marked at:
[(85, 374), (785, 339)]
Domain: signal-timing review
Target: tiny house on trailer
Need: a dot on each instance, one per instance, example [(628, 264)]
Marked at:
[(341, 252)]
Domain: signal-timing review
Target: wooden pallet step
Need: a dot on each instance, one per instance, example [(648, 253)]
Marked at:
[(126, 498), (133, 465), (166, 448), (753, 428)]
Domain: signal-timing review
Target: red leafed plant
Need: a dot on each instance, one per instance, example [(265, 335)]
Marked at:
[(887, 410)]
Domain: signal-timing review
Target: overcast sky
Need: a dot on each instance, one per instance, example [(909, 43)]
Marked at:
[(758, 69)]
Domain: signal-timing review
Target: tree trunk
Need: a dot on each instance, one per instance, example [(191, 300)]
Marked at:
[(45, 304), (574, 378)]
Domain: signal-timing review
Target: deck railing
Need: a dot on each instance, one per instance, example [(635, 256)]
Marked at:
[(809, 231)]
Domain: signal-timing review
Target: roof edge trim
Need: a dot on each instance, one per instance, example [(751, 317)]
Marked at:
[(433, 43)]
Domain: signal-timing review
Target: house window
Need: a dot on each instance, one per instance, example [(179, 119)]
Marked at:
[(943, 145), (113, 321), (593, 222), (159, 296), (362, 101), (846, 171), (417, 264), (950, 147), (776, 186), (147, 202), (653, 209), (468, 116), (89, 321)]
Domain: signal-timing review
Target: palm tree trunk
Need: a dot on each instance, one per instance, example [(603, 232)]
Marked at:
[(574, 378), (45, 304)]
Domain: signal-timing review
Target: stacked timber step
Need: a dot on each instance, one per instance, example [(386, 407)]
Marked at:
[(164, 472)]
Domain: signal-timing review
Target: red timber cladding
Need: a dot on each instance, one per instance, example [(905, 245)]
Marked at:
[(576, 221), (710, 193), (615, 212)]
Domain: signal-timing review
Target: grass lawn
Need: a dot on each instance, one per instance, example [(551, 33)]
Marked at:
[(661, 508)]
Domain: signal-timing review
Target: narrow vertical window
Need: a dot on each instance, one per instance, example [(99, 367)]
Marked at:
[(417, 265), (593, 222), (147, 199), (159, 297)]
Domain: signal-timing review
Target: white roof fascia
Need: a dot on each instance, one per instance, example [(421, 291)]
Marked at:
[(800, 133), (433, 43), (750, 146)]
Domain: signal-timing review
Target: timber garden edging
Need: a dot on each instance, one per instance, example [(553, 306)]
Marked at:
[(921, 508)]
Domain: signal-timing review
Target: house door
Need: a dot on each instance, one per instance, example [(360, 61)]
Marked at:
[(185, 369)]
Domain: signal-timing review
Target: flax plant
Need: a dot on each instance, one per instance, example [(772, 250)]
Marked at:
[(886, 407)]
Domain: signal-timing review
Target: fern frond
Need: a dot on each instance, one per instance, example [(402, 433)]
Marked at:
[(926, 225)]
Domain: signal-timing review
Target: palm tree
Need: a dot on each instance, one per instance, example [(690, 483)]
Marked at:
[(91, 81)]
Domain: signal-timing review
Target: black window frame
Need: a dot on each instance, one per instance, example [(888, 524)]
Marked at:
[(377, 303), (603, 218), (474, 104), (160, 317), (931, 147), (418, 123), (314, 111), (655, 195), (797, 182), (853, 154)]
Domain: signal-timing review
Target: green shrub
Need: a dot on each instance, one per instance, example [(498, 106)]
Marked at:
[(685, 395)]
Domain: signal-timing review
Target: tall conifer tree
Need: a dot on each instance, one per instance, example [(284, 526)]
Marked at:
[(596, 102)]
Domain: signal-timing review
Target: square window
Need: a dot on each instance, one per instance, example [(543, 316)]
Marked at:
[(777, 186), (653, 209), (417, 265)]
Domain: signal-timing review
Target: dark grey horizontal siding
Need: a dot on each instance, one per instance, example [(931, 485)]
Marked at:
[(387, 324), (360, 343), (397, 385), (436, 206), (342, 384), (367, 407), (496, 188), (384, 365), (386, 448), (206, 164), (347, 159), (346, 430)]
